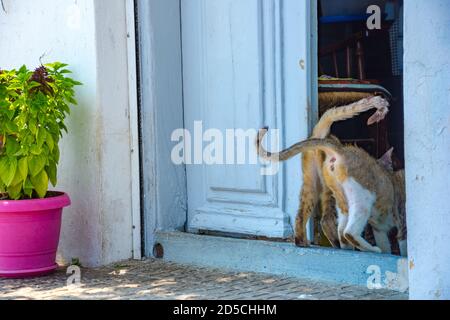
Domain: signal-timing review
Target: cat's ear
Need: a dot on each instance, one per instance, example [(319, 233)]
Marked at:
[(386, 160)]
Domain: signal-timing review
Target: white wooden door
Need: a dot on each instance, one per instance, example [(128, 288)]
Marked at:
[(246, 64)]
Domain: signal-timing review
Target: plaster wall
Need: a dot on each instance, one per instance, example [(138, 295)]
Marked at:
[(427, 146), (95, 168)]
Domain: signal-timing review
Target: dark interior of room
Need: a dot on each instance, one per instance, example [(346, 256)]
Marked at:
[(370, 62), (357, 62)]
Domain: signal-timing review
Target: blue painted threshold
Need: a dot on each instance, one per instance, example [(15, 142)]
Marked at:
[(280, 258)]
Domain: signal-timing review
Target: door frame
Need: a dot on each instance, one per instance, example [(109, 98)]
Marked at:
[(163, 194), (163, 184), (135, 185)]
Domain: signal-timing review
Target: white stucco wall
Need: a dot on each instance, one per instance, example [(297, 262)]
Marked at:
[(427, 144), (95, 167)]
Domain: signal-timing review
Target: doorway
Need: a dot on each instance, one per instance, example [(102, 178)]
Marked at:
[(360, 54), (230, 64)]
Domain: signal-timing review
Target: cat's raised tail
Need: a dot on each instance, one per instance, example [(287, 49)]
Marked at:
[(322, 128)]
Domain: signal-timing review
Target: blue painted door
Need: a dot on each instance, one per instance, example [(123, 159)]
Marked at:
[(246, 64)]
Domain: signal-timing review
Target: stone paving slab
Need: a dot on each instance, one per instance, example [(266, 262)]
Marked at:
[(154, 279)]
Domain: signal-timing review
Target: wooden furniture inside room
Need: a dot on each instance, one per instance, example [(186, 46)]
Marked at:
[(346, 83)]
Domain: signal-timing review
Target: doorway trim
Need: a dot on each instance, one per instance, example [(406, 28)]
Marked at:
[(164, 200), (135, 180)]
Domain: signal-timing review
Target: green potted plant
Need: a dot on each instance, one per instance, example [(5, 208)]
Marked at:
[(33, 108)]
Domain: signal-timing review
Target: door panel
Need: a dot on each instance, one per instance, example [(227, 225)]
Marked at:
[(236, 75)]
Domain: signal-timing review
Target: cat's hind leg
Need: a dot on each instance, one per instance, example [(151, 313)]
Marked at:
[(402, 236), (309, 199), (328, 221), (308, 203), (382, 240), (360, 202), (358, 217), (342, 224)]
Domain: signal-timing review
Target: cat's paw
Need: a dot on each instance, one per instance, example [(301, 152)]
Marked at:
[(345, 246), (301, 242), (335, 244), (381, 105), (376, 250)]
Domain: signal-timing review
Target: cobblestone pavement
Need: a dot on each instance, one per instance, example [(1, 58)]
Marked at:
[(156, 279)]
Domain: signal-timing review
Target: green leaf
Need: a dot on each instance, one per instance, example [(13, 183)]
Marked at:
[(15, 192), (49, 141), (51, 171), (36, 150), (10, 113), (66, 108), (3, 103), (56, 65), (23, 167), (33, 84), (72, 82), (63, 126), (4, 166), (40, 136), (11, 127), (36, 164), (32, 125), (22, 151), (40, 183), (8, 167), (56, 154), (23, 69), (28, 188), (12, 147), (18, 180)]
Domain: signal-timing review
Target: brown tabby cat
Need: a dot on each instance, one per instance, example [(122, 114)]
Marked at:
[(398, 180), (314, 188), (400, 214)]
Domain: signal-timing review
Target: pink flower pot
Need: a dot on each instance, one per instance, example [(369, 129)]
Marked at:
[(29, 235)]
